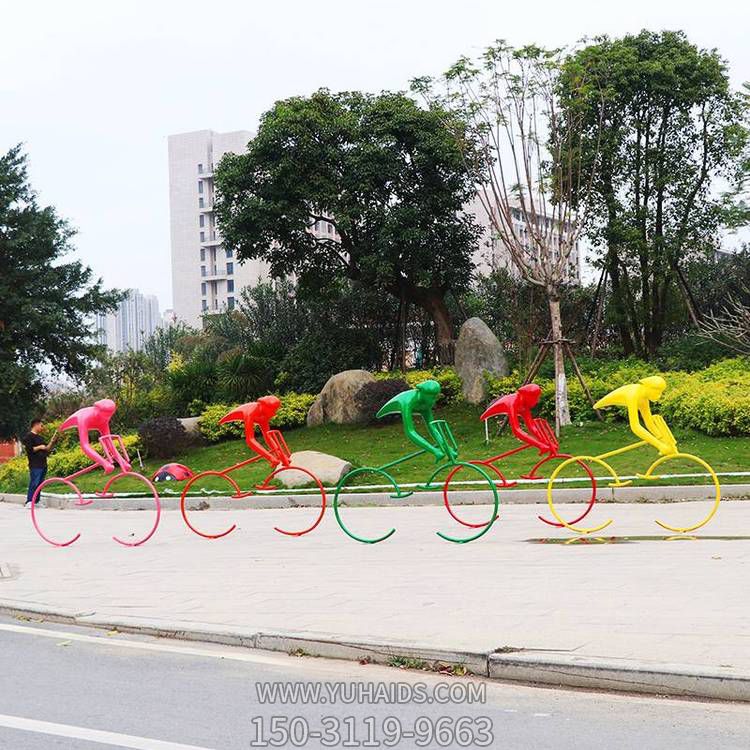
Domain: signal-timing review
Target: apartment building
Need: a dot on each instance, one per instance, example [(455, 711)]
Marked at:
[(131, 324), (206, 276), (493, 255)]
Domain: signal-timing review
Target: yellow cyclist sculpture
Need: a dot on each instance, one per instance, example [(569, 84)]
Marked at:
[(637, 398), (652, 430)]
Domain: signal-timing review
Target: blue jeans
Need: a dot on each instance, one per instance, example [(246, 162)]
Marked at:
[(36, 477)]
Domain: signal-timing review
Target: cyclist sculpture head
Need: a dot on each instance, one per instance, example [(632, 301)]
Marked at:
[(269, 405), (428, 393), (654, 385), (529, 395)]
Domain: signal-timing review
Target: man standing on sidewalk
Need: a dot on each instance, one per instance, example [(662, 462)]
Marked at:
[(36, 451)]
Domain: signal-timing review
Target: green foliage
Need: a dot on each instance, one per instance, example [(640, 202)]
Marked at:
[(162, 437), (371, 396), (715, 400), (243, 375), (292, 413), (211, 430), (45, 302), (193, 379), (293, 410), (384, 174), (690, 352), (671, 128), (450, 382), (196, 407)]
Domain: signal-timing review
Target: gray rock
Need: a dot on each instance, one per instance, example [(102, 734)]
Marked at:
[(190, 424), (478, 351), (329, 469), (335, 403)]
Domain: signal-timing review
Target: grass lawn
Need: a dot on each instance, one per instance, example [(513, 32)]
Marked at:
[(376, 445)]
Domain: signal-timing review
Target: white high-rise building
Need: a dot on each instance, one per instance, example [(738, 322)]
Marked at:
[(493, 255), (131, 324), (206, 276)]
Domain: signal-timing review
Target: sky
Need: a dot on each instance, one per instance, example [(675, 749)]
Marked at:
[(93, 89)]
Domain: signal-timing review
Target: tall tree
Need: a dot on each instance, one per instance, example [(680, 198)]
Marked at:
[(45, 303), (383, 172), (672, 126), (533, 182)]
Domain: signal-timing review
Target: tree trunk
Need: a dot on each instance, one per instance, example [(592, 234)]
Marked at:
[(432, 301), (562, 410)]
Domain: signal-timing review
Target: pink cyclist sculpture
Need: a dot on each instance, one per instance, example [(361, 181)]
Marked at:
[(114, 454), (97, 418), (275, 451)]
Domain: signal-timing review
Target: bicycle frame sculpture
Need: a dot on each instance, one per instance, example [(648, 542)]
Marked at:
[(517, 407), (275, 452), (441, 444), (654, 432), (97, 418)]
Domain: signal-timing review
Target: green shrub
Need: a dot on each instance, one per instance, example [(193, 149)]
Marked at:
[(211, 430), (293, 410)]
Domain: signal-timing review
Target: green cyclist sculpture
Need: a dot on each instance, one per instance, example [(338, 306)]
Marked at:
[(421, 400), (441, 444)]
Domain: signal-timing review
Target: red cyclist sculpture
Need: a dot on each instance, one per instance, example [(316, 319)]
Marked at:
[(97, 418), (275, 451), (533, 432)]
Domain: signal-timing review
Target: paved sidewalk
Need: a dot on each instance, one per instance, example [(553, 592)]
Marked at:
[(684, 601)]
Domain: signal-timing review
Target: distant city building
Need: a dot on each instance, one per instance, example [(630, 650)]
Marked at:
[(131, 324), (206, 276)]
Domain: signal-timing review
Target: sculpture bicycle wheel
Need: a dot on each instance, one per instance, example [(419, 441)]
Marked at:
[(558, 481), (183, 499), (322, 492), (688, 457), (452, 485), (342, 483), (35, 520), (157, 504), (472, 468), (592, 495)]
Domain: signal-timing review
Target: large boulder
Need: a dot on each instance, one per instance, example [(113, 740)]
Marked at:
[(328, 469), (336, 403), (478, 351)]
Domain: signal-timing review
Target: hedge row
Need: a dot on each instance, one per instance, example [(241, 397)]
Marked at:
[(61, 463), (715, 400)]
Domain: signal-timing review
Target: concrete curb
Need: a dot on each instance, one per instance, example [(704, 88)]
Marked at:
[(621, 674), (530, 496), (508, 665)]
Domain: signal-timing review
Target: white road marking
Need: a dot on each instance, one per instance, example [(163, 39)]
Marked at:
[(233, 654), (114, 739)]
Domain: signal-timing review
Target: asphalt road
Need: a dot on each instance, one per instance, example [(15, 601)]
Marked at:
[(68, 687)]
